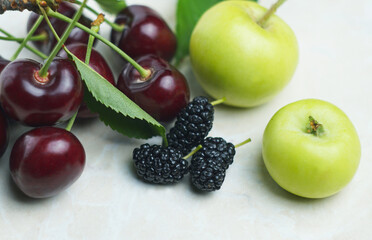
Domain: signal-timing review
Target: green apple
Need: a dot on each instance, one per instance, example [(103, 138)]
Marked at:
[(236, 57), (311, 148)]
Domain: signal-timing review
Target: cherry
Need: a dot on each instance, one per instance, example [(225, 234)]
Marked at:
[(37, 101), (3, 63), (145, 32), (162, 95), (97, 62), (3, 132), (77, 35), (46, 161)]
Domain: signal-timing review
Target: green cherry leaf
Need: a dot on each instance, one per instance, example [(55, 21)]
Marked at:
[(188, 14), (112, 6), (114, 108)]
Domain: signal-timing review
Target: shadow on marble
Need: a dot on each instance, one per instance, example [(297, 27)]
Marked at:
[(198, 192), (86, 122), (276, 190), (20, 197)]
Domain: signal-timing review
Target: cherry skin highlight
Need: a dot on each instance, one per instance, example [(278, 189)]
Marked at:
[(76, 36), (145, 32), (97, 63), (162, 95), (46, 161), (36, 101)]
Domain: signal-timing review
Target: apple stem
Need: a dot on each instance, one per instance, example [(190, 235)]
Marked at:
[(243, 143), (193, 152), (44, 70), (314, 127), (35, 51), (270, 12), (29, 35), (219, 101), (145, 73), (116, 27)]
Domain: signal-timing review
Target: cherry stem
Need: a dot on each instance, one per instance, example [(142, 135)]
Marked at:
[(116, 27), (243, 143), (193, 152), (71, 121), (50, 26), (95, 28), (270, 12), (35, 51), (87, 59), (20, 5), (145, 73), (89, 48), (40, 37), (29, 35), (219, 101), (44, 70)]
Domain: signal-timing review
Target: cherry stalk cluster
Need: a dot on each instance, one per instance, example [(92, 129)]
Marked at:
[(53, 92)]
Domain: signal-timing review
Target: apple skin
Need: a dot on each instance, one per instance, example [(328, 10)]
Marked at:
[(233, 57), (307, 165)]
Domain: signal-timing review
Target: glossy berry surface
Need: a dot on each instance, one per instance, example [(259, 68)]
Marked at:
[(77, 35), (145, 32), (157, 164), (3, 133), (46, 161), (97, 63), (37, 102), (208, 165), (3, 63), (162, 95), (192, 125)]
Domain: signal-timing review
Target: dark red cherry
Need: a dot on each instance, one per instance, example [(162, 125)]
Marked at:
[(163, 95), (76, 36), (39, 101), (3, 63), (46, 161), (3, 133), (97, 62), (145, 32)]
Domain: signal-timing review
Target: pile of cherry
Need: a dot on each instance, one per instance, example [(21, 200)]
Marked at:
[(47, 159)]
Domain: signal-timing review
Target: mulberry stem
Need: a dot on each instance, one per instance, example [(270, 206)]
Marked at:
[(243, 143), (193, 152)]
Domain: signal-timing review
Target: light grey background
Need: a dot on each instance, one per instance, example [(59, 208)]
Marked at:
[(109, 202)]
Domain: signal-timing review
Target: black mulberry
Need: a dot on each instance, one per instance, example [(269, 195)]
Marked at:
[(192, 125), (208, 165), (157, 164)]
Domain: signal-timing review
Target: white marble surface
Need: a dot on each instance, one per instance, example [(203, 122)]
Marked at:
[(109, 202)]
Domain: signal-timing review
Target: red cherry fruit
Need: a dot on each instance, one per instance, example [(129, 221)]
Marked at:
[(36, 101), (162, 95), (46, 161), (97, 63), (145, 32), (3, 133), (3, 63), (76, 36)]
